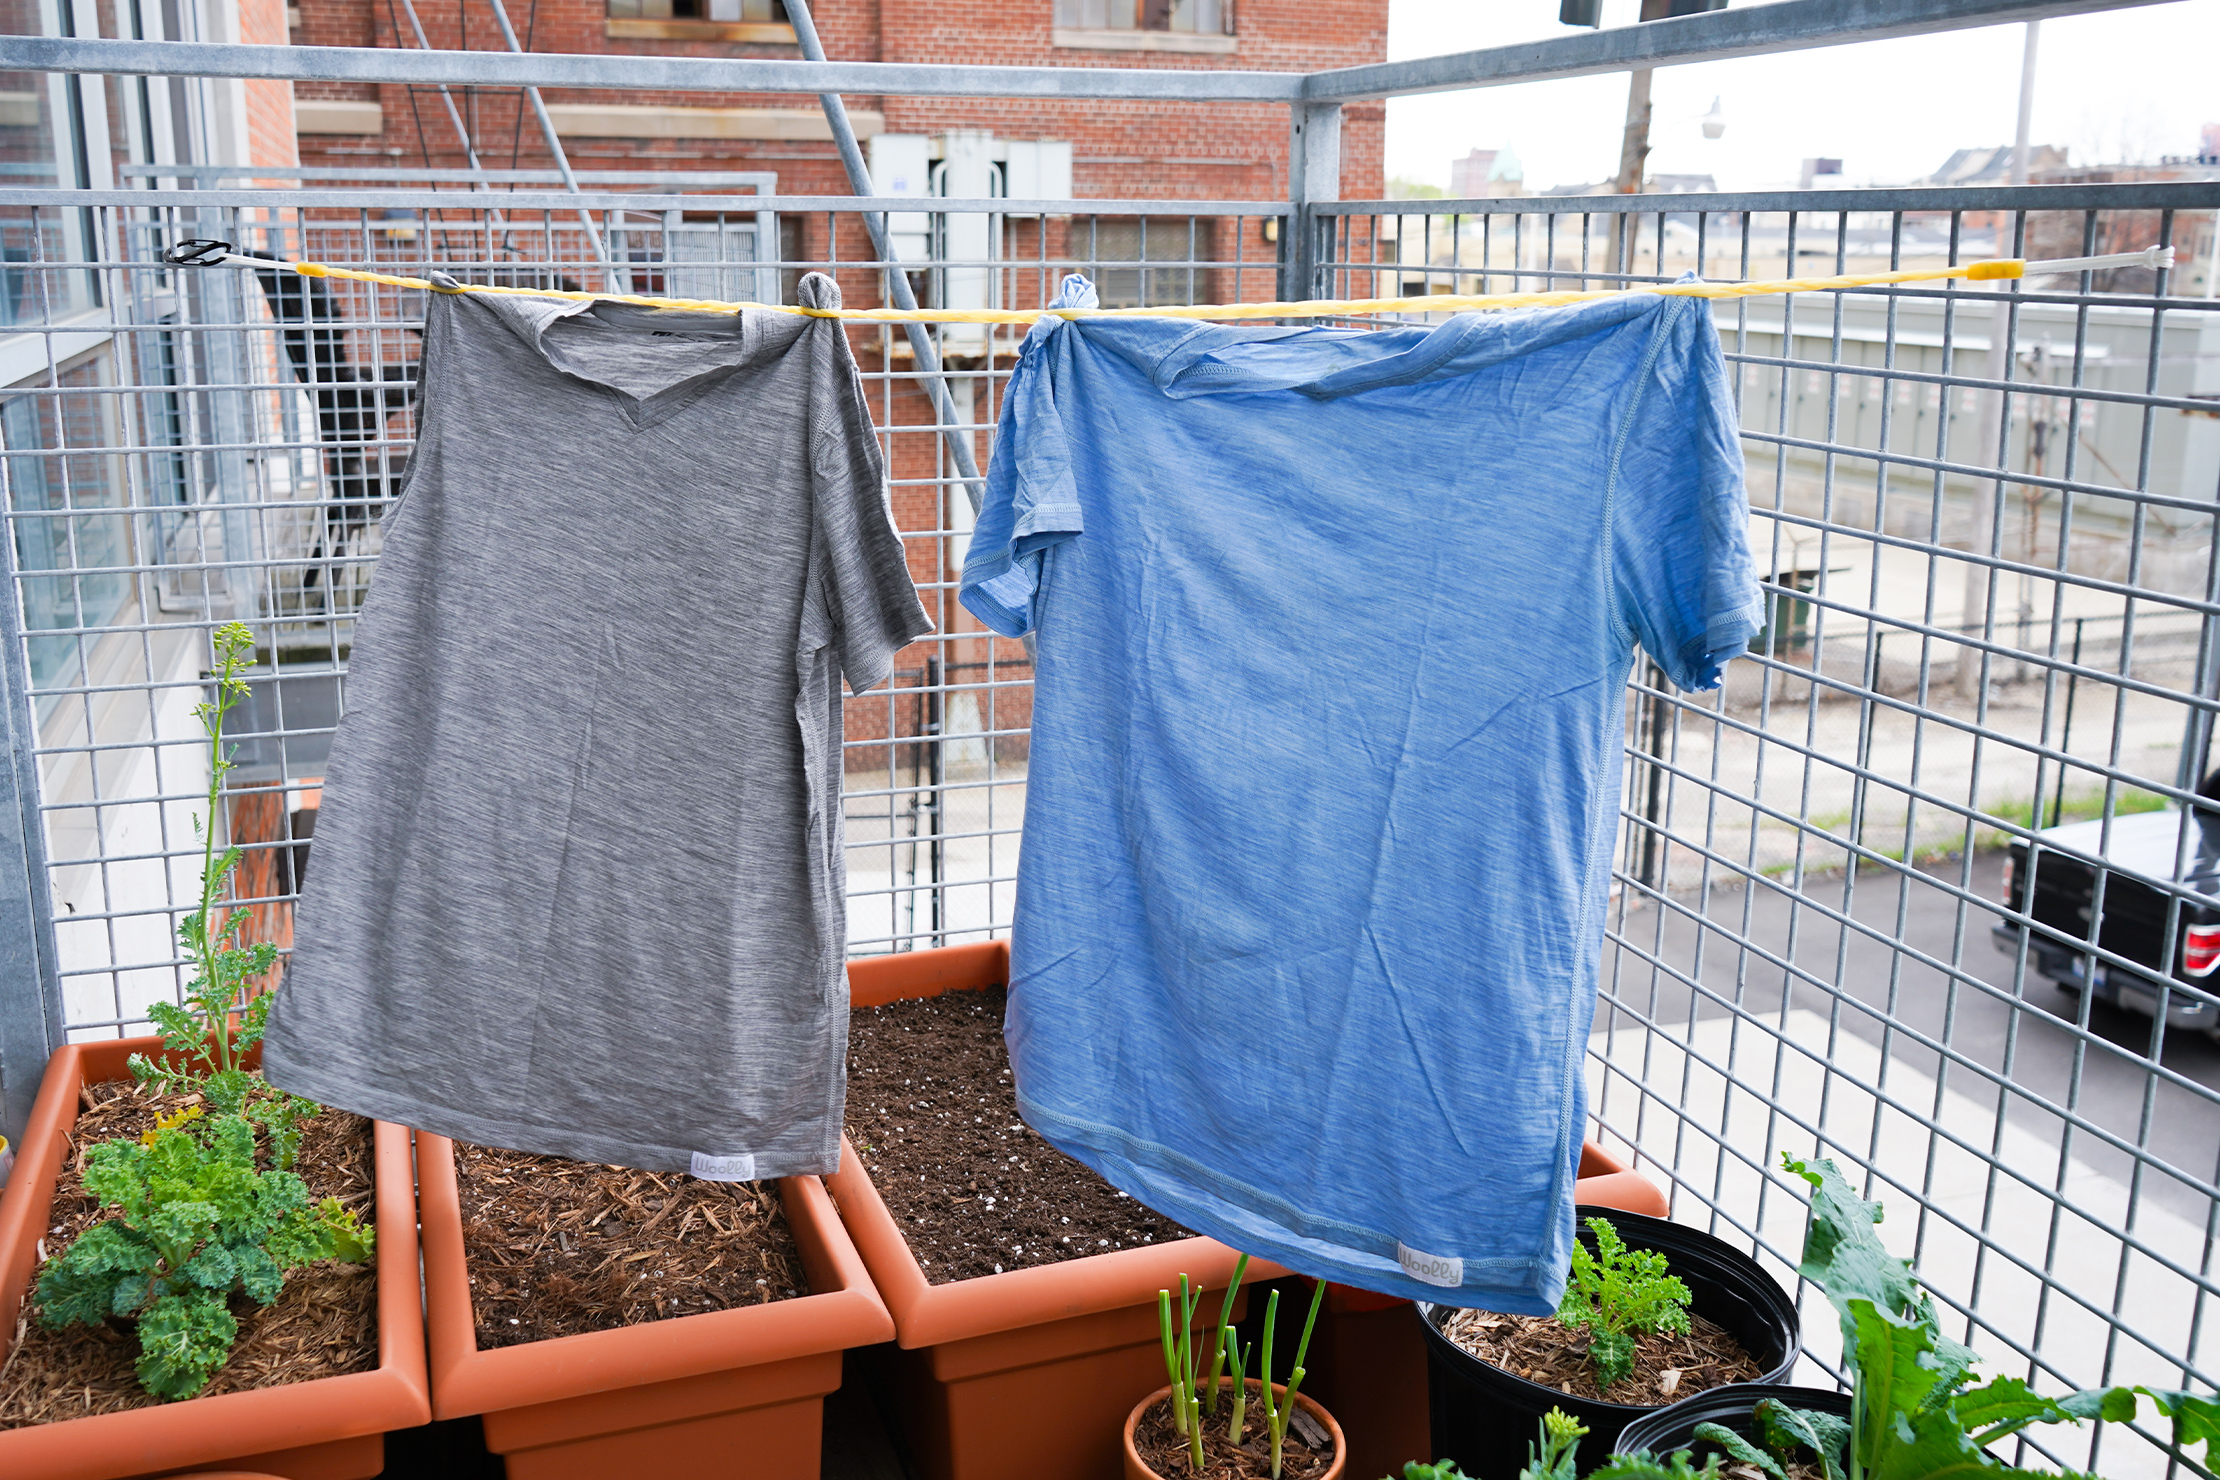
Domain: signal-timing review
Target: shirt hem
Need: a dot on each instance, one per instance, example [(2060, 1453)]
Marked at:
[(1259, 1224), (526, 1136)]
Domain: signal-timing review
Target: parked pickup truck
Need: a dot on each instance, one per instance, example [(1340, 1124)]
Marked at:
[(2142, 852)]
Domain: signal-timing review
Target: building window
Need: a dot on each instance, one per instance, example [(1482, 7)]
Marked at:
[(72, 526), (724, 12), (1144, 263), (1194, 17)]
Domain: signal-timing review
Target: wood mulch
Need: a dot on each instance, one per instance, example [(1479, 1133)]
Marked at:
[(324, 1323), (559, 1247), (933, 1112), (1667, 1367), (1302, 1457)]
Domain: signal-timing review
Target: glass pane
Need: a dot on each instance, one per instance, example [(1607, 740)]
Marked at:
[(49, 492)]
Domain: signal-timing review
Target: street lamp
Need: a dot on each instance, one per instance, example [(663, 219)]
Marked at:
[(1715, 122)]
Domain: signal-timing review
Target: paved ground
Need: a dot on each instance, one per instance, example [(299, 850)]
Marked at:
[(2026, 1037), (2038, 1237)]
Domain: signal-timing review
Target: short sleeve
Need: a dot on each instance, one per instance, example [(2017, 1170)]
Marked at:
[(870, 604), (1032, 501), (1680, 517)]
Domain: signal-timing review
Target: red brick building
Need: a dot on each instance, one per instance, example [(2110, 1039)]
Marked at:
[(1131, 150), (1116, 150)]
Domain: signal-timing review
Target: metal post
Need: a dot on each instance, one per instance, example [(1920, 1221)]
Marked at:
[(1653, 800), (555, 147), (936, 767), (31, 1017), (953, 432), (446, 94), (1313, 175), (1974, 619)]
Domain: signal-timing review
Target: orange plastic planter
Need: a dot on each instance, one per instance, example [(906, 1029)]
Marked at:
[(1018, 1375), (691, 1395), (1137, 1469), (330, 1429), (1026, 1374)]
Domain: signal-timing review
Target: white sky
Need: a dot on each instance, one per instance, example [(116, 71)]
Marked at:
[(2126, 84)]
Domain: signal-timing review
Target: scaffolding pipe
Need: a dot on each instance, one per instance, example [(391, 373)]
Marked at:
[(954, 431), (555, 147)]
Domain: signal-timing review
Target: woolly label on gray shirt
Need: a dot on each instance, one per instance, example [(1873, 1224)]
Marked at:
[(723, 1168)]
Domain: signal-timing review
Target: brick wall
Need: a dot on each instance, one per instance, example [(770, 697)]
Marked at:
[(270, 138), (1121, 150)]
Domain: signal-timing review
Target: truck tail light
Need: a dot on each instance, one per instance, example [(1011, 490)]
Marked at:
[(2200, 949)]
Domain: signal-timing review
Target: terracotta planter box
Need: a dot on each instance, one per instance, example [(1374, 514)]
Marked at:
[(1031, 1373), (1024, 1374), (332, 1428), (691, 1395)]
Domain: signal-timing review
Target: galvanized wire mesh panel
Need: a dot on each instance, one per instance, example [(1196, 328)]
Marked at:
[(1984, 518), (187, 447)]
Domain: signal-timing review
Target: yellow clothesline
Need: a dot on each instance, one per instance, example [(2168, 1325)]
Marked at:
[(2011, 267)]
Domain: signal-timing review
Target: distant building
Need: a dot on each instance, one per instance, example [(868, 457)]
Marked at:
[(1822, 174), (1486, 172), (2208, 144), (1653, 185), (1993, 166)]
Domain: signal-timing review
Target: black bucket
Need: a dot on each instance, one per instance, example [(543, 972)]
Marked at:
[(1663, 1430), (1484, 1418)]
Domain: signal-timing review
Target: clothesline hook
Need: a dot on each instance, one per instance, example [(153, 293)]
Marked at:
[(196, 251)]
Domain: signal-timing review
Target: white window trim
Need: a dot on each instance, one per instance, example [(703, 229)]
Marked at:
[(1136, 40)]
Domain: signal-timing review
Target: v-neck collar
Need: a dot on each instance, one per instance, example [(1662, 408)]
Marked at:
[(531, 319)]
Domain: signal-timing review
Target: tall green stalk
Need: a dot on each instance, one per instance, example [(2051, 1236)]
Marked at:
[(1280, 1411), (1190, 1398), (208, 1036)]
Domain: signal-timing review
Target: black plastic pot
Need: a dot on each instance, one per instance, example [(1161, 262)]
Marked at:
[(1663, 1430), (1484, 1417)]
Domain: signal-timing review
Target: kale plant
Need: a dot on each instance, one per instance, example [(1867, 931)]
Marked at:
[(206, 1040), (1914, 1412), (196, 1220), (1617, 1294)]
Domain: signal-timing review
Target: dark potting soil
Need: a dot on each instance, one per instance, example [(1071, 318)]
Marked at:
[(1161, 1448), (323, 1324), (559, 1247), (933, 1112), (1667, 1367)]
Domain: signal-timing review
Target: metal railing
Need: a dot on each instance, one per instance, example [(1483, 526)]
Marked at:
[(1986, 517), (1984, 513)]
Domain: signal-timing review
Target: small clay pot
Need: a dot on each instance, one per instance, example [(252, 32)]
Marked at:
[(1137, 1469)]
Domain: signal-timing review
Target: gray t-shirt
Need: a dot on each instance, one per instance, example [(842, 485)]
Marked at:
[(578, 882)]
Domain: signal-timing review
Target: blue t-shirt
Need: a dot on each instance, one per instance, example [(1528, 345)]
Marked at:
[(1334, 629)]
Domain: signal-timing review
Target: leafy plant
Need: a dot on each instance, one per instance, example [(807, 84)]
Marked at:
[(197, 1220), (206, 1039), (1555, 1457), (1914, 1414), (1617, 1294), (219, 1021), (1195, 1388)]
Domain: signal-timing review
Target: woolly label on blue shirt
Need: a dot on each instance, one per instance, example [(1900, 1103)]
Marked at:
[(732, 1169), (1433, 1269)]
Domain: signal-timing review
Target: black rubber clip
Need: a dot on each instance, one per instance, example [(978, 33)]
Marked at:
[(197, 252)]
